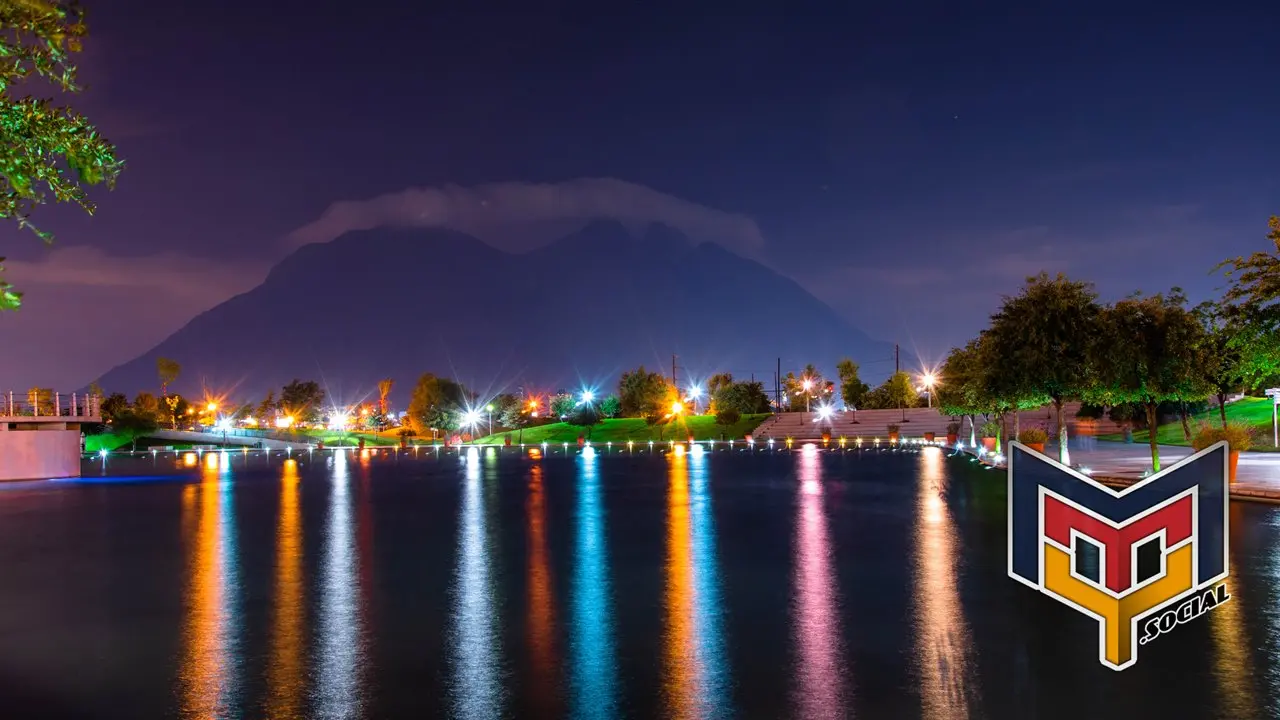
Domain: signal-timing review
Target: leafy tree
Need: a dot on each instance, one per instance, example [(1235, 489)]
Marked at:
[(41, 399), (1220, 360), (562, 404), (146, 404), (135, 423), (113, 405), (718, 382), (744, 397), (896, 392), (728, 416), (852, 390), (513, 415), (168, 370), (584, 415), (437, 402), (41, 141), (1040, 340), (1251, 309), (610, 406), (174, 407), (643, 393), (384, 390), (267, 409), (802, 389), (1147, 351), (303, 400)]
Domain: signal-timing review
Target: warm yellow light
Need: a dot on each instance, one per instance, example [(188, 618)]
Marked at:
[(189, 459), (676, 408), (212, 407), (533, 404), (364, 411), (284, 421), (929, 380)]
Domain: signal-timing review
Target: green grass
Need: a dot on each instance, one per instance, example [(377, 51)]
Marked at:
[(107, 441), (1254, 412), (620, 430)]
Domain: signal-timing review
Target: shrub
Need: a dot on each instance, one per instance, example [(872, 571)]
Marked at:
[(1237, 435), (894, 427), (610, 407), (990, 428), (1033, 436), (728, 416), (584, 415), (953, 428)]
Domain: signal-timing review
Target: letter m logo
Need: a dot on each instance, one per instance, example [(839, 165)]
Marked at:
[(1118, 555)]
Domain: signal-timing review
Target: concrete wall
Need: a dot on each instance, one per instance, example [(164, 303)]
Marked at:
[(39, 454), (214, 438)]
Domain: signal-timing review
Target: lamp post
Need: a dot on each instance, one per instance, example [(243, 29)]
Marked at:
[(808, 385), (929, 381), (1274, 394), (488, 409)]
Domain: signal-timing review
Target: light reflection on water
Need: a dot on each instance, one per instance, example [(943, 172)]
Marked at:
[(541, 601), (592, 660), (943, 653), (285, 675), (477, 689), (208, 673), (338, 638), (694, 663), (310, 646), (821, 675)]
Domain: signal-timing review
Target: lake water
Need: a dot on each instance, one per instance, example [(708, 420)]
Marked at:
[(803, 584)]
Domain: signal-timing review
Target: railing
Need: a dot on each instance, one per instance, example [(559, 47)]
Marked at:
[(51, 405)]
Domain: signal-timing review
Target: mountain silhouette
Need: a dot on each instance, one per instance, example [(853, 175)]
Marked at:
[(575, 313)]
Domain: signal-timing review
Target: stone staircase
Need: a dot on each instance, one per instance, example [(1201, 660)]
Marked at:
[(875, 424)]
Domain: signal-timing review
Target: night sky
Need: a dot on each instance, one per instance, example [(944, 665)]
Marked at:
[(908, 163)]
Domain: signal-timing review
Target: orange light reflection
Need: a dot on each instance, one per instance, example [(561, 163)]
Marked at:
[(285, 674)]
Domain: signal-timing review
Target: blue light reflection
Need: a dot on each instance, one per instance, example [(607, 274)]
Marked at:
[(594, 675)]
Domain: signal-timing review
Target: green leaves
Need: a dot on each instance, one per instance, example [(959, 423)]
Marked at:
[(39, 142)]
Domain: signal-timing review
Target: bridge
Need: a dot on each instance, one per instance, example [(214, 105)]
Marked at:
[(40, 433)]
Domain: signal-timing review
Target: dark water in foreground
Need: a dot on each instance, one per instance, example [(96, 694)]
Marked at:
[(805, 584)]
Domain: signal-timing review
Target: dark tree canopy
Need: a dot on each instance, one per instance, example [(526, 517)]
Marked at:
[(303, 400), (852, 390), (644, 393)]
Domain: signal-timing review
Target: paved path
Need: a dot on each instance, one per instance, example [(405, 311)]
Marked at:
[(1257, 476)]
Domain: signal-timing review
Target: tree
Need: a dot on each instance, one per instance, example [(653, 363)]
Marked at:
[(41, 400), (561, 405), (743, 397), (302, 400), (174, 406), (168, 370), (267, 409), (436, 402), (135, 423), (896, 392), (963, 394), (807, 386), (41, 141), (146, 404), (1041, 339), (1220, 360), (384, 390), (610, 406), (1251, 307), (728, 416), (852, 390), (644, 394), (718, 382), (113, 405), (584, 415), (1146, 351)]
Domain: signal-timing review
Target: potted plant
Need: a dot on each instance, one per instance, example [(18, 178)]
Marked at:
[(990, 430), (1034, 438), (893, 432), (1239, 438), (953, 433), (826, 437), (928, 437)]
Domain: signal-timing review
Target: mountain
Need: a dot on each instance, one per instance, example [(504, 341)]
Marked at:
[(397, 303)]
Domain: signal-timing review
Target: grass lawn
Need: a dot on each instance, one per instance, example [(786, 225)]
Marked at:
[(107, 441), (335, 438), (703, 427), (1255, 412)]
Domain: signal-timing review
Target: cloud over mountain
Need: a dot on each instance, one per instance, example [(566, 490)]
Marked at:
[(517, 216)]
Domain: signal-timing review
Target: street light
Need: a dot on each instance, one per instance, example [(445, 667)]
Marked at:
[(471, 419), (489, 411), (808, 385), (929, 380), (695, 392), (587, 397)]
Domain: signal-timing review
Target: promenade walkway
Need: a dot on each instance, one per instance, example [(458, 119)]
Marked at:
[(1257, 475)]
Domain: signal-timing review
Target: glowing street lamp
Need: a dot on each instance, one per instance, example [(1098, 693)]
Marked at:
[(808, 385), (489, 411), (470, 419), (929, 380), (677, 407), (587, 397)]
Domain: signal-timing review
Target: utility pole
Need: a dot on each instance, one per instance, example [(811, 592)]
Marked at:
[(673, 371), (896, 368), (777, 386)]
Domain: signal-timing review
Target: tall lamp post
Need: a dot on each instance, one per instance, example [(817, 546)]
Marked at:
[(488, 409), (1274, 394), (808, 385), (929, 381)]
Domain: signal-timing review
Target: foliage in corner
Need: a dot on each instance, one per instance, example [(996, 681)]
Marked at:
[(42, 141), (1237, 435)]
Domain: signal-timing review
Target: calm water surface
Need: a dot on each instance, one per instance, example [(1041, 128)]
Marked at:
[(803, 584)]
